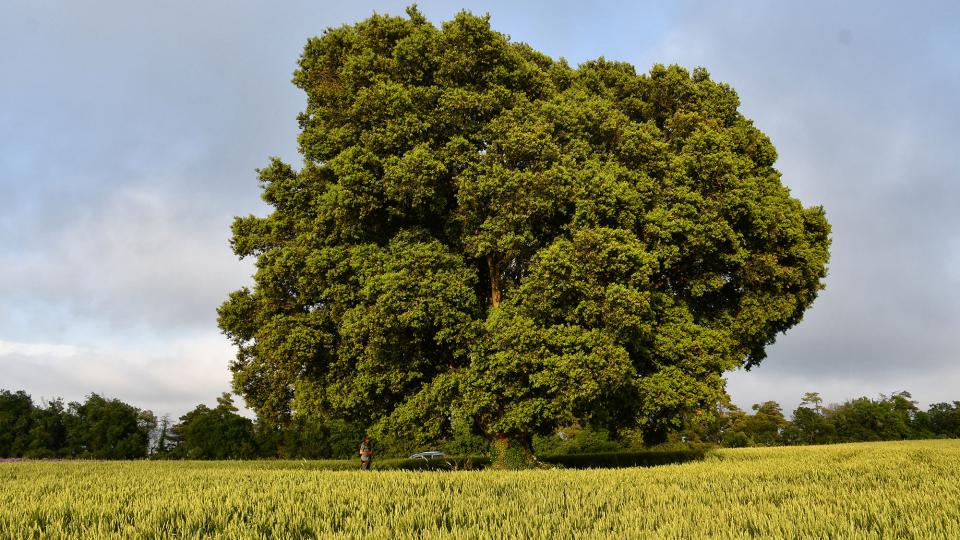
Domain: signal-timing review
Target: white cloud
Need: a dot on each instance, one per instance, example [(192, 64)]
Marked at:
[(168, 378), (42, 350), (141, 259)]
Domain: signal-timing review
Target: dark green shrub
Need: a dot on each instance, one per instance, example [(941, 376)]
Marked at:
[(576, 440), (736, 439), (647, 458)]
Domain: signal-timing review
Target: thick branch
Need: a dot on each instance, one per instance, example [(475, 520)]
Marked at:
[(494, 281)]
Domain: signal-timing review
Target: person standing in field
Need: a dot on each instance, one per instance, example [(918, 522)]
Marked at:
[(366, 453)]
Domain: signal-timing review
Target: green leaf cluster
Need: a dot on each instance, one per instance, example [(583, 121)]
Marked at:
[(481, 236)]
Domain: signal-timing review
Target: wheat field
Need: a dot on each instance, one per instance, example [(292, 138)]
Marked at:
[(866, 490)]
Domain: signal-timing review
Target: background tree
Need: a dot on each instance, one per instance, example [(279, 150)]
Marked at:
[(765, 426), (944, 419), (576, 439), (48, 431), (480, 234), (101, 428), (218, 433), (16, 415), (710, 424), (812, 400), (162, 440), (735, 433), (884, 419), (809, 425)]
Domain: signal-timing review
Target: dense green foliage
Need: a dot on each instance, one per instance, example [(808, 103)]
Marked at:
[(218, 433), (16, 417), (309, 438), (867, 490), (484, 238), (98, 428), (577, 440), (942, 419)]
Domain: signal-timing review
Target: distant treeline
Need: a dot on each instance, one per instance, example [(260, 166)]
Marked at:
[(98, 428), (101, 428), (889, 418)]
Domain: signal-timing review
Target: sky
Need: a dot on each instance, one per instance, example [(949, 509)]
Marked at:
[(130, 133)]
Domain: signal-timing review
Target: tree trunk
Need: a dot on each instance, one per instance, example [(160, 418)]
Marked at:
[(500, 444), (512, 453), (494, 281)]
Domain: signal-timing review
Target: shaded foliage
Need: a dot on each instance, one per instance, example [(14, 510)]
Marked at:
[(647, 458), (576, 440), (218, 433), (16, 416), (944, 419), (98, 428)]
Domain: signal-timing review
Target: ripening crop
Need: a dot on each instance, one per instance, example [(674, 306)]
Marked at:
[(867, 490)]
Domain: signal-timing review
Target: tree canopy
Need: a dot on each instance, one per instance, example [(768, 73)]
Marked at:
[(481, 236), (98, 428), (218, 433)]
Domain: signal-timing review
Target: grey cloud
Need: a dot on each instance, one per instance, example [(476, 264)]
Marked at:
[(860, 101), (139, 260), (128, 144)]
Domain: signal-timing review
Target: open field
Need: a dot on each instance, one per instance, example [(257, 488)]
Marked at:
[(866, 490)]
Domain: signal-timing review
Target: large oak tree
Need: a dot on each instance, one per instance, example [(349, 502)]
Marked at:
[(485, 236)]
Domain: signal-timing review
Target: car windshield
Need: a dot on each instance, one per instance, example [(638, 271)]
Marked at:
[(432, 453)]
